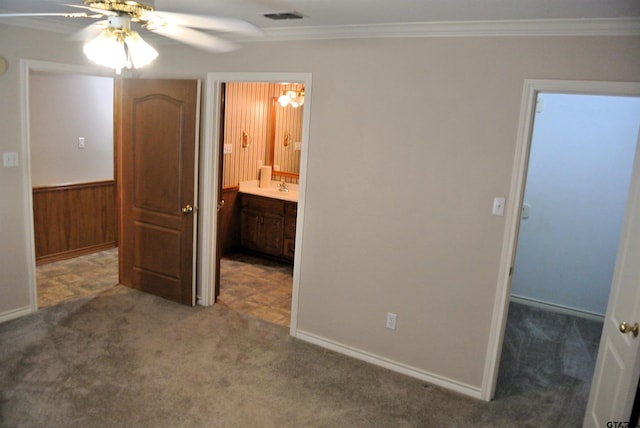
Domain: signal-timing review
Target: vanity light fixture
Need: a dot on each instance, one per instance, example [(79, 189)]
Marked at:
[(293, 98), (118, 47)]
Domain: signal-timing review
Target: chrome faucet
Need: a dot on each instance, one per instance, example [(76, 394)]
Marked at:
[(282, 186)]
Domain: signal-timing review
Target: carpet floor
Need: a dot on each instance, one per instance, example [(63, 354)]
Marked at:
[(126, 358)]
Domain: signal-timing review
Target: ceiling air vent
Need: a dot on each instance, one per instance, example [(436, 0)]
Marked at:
[(283, 15)]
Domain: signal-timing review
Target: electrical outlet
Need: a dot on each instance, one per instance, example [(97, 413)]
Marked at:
[(391, 320)]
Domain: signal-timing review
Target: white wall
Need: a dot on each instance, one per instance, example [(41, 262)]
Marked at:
[(400, 179), (64, 107), (580, 166)]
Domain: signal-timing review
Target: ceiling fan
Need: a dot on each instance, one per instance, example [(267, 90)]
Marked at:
[(112, 42)]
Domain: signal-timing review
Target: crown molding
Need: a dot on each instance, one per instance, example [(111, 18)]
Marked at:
[(537, 27), (531, 27)]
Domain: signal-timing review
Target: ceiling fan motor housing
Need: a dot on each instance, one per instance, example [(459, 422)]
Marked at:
[(122, 22), (134, 9)]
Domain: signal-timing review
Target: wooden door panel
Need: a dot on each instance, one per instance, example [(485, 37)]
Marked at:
[(157, 154), (164, 263), (158, 146)]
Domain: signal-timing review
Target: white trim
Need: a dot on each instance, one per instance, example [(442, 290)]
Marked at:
[(533, 27), (196, 180), (26, 66), (26, 179), (554, 307), (209, 188), (15, 313), (531, 88), (395, 366), (514, 27)]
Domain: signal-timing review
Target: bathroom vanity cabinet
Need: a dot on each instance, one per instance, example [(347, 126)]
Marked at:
[(268, 226)]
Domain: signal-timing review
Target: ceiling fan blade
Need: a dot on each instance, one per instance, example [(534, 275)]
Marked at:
[(196, 38), (89, 32), (217, 23), (93, 9), (66, 15)]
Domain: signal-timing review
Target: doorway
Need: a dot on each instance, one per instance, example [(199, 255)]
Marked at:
[(259, 192), (579, 171), (211, 195), (73, 183), (622, 291)]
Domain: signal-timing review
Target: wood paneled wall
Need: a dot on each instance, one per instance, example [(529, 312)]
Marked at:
[(75, 219)]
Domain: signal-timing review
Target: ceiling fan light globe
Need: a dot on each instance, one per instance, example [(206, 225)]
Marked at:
[(140, 52), (107, 49)]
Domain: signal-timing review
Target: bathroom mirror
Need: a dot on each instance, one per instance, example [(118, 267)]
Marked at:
[(285, 137)]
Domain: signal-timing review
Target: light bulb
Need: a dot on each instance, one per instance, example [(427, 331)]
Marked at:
[(284, 100)]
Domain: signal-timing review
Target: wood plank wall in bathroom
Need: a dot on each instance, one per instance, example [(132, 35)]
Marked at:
[(247, 110)]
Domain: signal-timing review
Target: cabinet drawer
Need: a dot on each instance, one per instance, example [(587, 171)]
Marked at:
[(259, 203)]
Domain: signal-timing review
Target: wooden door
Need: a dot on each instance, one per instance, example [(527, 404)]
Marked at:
[(618, 367), (157, 133), (220, 201)]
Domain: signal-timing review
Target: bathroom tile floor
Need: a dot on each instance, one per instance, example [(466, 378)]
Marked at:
[(257, 287)]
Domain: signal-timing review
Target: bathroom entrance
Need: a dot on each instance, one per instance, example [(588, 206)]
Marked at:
[(260, 152)]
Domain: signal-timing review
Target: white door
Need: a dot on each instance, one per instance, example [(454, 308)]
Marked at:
[(618, 367)]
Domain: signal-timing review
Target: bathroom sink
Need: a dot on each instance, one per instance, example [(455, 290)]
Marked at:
[(252, 187)]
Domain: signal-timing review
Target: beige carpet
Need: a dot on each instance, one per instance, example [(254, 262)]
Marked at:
[(126, 358)]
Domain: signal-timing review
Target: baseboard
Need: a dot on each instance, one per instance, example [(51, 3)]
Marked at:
[(431, 378), (70, 254), (554, 307), (15, 313)]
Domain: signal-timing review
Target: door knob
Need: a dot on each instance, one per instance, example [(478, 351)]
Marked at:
[(220, 204), (626, 328), (187, 209)]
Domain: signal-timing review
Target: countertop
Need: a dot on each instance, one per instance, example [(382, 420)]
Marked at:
[(252, 187)]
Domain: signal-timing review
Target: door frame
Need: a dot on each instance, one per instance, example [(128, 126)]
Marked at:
[(531, 89), (209, 175), (27, 66)]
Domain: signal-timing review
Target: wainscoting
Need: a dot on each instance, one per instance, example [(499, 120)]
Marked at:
[(74, 219)]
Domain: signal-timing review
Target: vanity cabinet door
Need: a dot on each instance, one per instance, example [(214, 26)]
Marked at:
[(249, 228), (270, 234), (262, 225)]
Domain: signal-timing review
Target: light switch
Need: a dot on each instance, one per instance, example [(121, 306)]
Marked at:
[(498, 206), (9, 159), (81, 142)]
